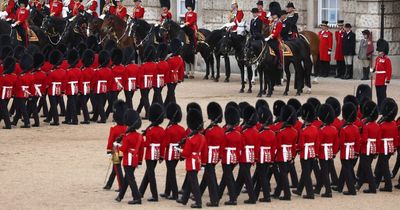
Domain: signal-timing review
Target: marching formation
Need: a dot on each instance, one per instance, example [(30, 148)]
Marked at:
[(270, 140)]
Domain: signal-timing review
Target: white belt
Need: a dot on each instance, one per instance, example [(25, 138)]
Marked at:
[(148, 82), (117, 80), (130, 154), (131, 85), (55, 86), (228, 154), (175, 74), (380, 72), (348, 145), (5, 88), (306, 149), (153, 150), (85, 88), (37, 89), (385, 144), (171, 148), (248, 150), (369, 145), (285, 151), (326, 147), (99, 83), (262, 150), (210, 153), (25, 89), (73, 86), (160, 80), (194, 161)]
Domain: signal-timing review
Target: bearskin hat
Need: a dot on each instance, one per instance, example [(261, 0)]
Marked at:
[(38, 60), (193, 105), (350, 99), (174, 112), (25, 2), (56, 57), (110, 45), (26, 62), (175, 46), (129, 56), (288, 115), (242, 107), (382, 46), (349, 112), (132, 119), (265, 116), (119, 108), (326, 114), (335, 105), (8, 65), (232, 116), (104, 58), (290, 5), (19, 50), (250, 116), (295, 104), (116, 56), (370, 111), (363, 102), (165, 3), (324, 23), (308, 112), (190, 3), (261, 103), (363, 90), (156, 114), (232, 104), (6, 51), (73, 57), (275, 8), (315, 102), (214, 112), (389, 109), (88, 58), (194, 120), (276, 109), (150, 53)]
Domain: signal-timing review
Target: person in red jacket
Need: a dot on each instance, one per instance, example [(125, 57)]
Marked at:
[(36, 4), (21, 23), (308, 139), (286, 139), (383, 70), (108, 8), (174, 133), (38, 88), (131, 75), (325, 48), (10, 11), (145, 78), (214, 135), (370, 136), (193, 150), (274, 38), (349, 145), (138, 10), (160, 74), (7, 83), (387, 144), (154, 135), (92, 8), (113, 150), (235, 17), (22, 90), (77, 7), (117, 82), (190, 23), (130, 146), (176, 71), (262, 14), (339, 33), (397, 164), (73, 76), (120, 10), (56, 7), (165, 14), (85, 84)]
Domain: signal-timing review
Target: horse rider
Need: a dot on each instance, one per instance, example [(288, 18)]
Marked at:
[(36, 4), (138, 10), (235, 17), (275, 38), (286, 33), (109, 8), (92, 7), (262, 14), (190, 24), (256, 25), (21, 23), (291, 21), (56, 8), (77, 8), (120, 10), (166, 14), (9, 13)]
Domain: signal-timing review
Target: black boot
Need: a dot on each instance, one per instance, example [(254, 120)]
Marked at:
[(365, 74), (348, 72)]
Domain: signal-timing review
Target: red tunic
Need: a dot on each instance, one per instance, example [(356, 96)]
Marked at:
[(286, 140), (115, 132), (36, 4), (173, 135), (93, 8), (166, 16), (266, 145), (38, 87), (117, 83), (328, 142), (7, 83), (317, 123), (194, 148), (138, 12), (56, 81), (215, 136), (130, 147), (47, 67), (370, 138), (176, 71), (78, 7), (349, 142), (22, 17), (308, 139), (238, 18), (146, 74), (22, 85), (120, 11), (56, 8), (276, 126), (101, 80), (339, 45), (191, 19), (325, 45), (11, 10), (276, 30), (263, 17), (248, 146), (154, 140), (389, 138), (337, 123), (85, 80), (230, 147), (73, 78), (383, 70), (162, 71), (131, 75)]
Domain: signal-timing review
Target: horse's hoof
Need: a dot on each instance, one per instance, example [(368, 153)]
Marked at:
[(269, 95), (226, 80), (308, 91), (264, 92), (298, 94), (215, 80), (212, 77), (249, 91), (205, 77), (241, 91), (285, 93), (259, 95)]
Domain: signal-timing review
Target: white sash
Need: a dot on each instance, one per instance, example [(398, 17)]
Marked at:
[(7, 90), (25, 89), (160, 80), (172, 148), (56, 88), (369, 144), (262, 152), (148, 81), (37, 89), (386, 144), (73, 85), (155, 151), (119, 85), (86, 87), (100, 86), (348, 147), (212, 156), (327, 148), (131, 83), (307, 149), (175, 75), (229, 151), (249, 153), (285, 151), (194, 160)]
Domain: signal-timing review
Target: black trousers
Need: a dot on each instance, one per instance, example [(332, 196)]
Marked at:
[(157, 97), (227, 181), (305, 179), (129, 180), (71, 114), (43, 105), (171, 183), (149, 177), (283, 183), (341, 68), (62, 105), (210, 180), (83, 99), (4, 114), (53, 112), (128, 98), (382, 170), (397, 164), (293, 174), (244, 178), (23, 34), (144, 101), (112, 96), (192, 186), (317, 171), (324, 176), (365, 173), (262, 182), (20, 110), (170, 94), (347, 176), (380, 95), (332, 173), (116, 172), (33, 109), (325, 68), (100, 100), (274, 170)]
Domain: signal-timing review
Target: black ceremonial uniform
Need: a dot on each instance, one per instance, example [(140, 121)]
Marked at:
[(291, 24), (256, 28)]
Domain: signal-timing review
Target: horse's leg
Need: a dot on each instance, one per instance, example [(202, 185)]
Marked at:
[(298, 77), (308, 65), (265, 81), (218, 58), (242, 79), (260, 73), (207, 69), (211, 63), (270, 86), (227, 68), (250, 78), (287, 72)]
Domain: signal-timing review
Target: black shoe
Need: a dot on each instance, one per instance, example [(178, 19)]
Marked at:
[(250, 202), (152, 199), (46, 121), (135, 201), (209, 204), (327, 195), (179, 200), (7, 127), (195, 206), (35, 125), (283, 198), (65, 122), (308, 196), (163, 195), (275, 196), (101, 121), (25, 126), (317, 191), (85, 122), (117, 190), (93, 120), (397, 186), (106, 187), (296, 192), (54, 124), (205, 78), (335, 188), (230, 203), (369, 191), (293, 186), (264, 200), (385, 189), (172, 197), (349, 193), (73, 123), (226, 80), (118, 199)]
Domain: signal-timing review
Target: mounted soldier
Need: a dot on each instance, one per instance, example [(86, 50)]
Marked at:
[(275, 38), (291, 21), (190, 23), (21, 23), (166, 14), (138, 10), (91, 8), (235, 17)]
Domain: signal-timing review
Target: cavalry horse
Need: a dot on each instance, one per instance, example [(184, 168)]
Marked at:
[(117, 29), (5, 28)]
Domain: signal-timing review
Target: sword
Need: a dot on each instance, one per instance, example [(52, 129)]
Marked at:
[(108, 170)]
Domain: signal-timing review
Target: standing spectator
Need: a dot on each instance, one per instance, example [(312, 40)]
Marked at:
[(325, 48), (365, 53), (349, 50), (339, 49)]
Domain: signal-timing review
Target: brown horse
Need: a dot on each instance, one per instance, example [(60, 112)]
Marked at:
[(313, 41), (115, 28)]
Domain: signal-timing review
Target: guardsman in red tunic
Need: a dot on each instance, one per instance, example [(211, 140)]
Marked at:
[(339, 49), (278, 122), (73, 75), (397, 165), (9, 14), (160, 74), (275, 38), (214, 135), (138, 10), (370, 137), (120, 10), (286, 139), (101, 83), (36, 4), (131, 75), (337, 123), (176, 71), (145, 78), (109, 8), (22, 90), (113, 150), (235, 17), (154, 140), (85, 83), (325, 48), (389, 141), (262, 14), (383, 71), (193, 150), (117, 83), (174, 133), (165, 14), (7, 83), (56, 7), (190, 22), (21, 22), (308, 139), (38, 88), (130, 145), (92, 8), (326, 148), (349, 145)]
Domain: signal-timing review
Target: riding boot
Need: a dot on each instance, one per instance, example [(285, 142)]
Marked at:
[(348, 72), (365, 74)]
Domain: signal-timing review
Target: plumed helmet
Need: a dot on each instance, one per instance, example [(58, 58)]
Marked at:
[(132, 119), (242, 107), (165, 3), (389, 109), (363, 90), (295, 104), (315, 102), (38, 60), (56, 57), (174, 112), (382, 46), (129, 55), (73, 57), (250, 116), (116, 56), (26, 62), (150, 53), (288, 115), (88, 58), (276, 109), (193, 105), (326, 114), (190, 3), (261, 103), (334, 102), (232, 116), (6, 51), (214, 112), (370, 111), (156, 114), (104, 58), (119, 108), (9, 65), (194, 120), (349, 112), (308, 112), (350, 99)]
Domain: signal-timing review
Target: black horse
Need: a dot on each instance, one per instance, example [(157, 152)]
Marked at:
[(36, 17), (5, 28)]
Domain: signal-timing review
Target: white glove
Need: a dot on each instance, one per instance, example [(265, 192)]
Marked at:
[(267, 39), (371, 70), (109, 155), (156, 25), (102, 16), (183, 25), (89, 11), (8, 19), (329, 52), (13, 25), (268, 14), (228, 25), (116, 144), (71, 19), (3, 15)]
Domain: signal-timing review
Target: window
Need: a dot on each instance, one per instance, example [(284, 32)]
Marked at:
[(182, 9), (328, 10)]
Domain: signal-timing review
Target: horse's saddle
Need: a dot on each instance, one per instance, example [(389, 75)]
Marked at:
[(199, 35), (287, 52), (31, 36)]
